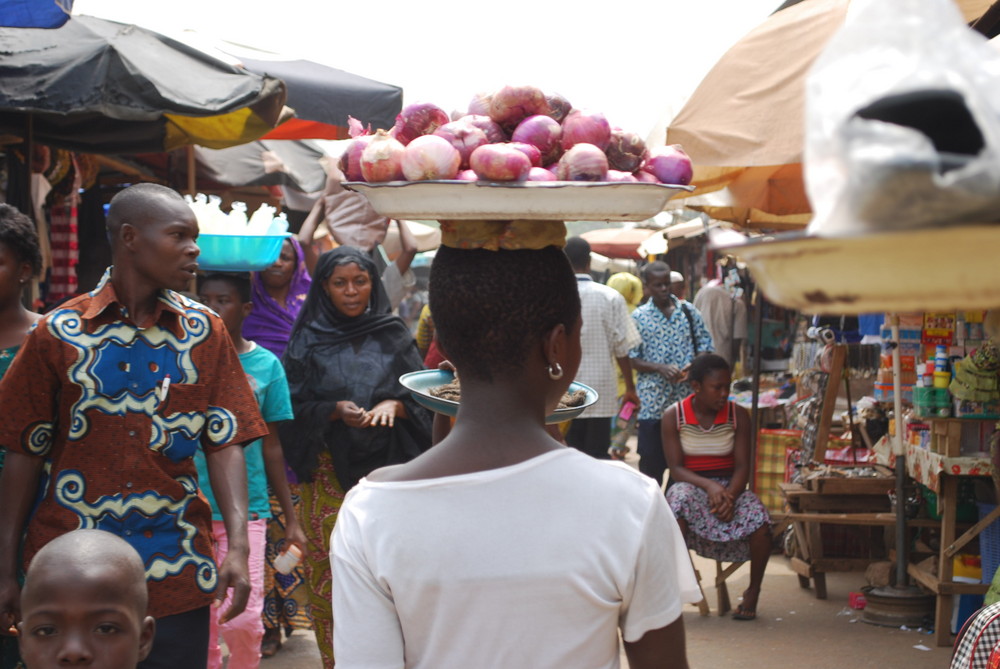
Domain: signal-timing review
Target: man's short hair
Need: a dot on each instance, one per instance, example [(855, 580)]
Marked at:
[(577, 249), (238, 281), (655, 267)]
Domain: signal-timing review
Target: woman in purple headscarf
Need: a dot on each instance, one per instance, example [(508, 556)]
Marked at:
[(277, 295)]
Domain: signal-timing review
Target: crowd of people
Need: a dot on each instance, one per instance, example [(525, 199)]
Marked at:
[(497, 546)]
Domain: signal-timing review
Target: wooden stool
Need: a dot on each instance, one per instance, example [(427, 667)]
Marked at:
[(722, 572)]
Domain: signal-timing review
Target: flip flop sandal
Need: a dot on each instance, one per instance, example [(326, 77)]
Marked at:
[(744, 614)]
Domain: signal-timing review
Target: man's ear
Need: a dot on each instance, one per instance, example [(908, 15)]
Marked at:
[(127, 234)]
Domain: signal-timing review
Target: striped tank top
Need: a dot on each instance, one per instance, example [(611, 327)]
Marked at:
[(707, 449)]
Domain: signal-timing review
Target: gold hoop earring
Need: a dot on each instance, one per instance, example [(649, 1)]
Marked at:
[(555, 371)]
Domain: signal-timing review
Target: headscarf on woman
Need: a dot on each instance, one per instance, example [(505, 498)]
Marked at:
[(270, 324), (332, 357), (630, 287)]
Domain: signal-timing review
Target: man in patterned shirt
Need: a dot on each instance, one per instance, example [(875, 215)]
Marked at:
[(607, 336), (673, 333), (104, 406)]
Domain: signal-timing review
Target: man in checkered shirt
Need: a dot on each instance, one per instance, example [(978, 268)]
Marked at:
[(608, 335), (978, 643)]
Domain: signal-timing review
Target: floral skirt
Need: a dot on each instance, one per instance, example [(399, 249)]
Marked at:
[(286, 596), (707, 535)]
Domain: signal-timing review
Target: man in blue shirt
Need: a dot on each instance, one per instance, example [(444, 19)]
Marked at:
[(673, 333)]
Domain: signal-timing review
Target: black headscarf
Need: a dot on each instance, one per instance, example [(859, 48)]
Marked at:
[(332, 357)]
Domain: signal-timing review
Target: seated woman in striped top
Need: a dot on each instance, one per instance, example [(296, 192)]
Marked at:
[(706, 439)]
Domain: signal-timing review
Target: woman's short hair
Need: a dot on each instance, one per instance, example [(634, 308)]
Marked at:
[(489, 307), (706, 363), (17, 233)]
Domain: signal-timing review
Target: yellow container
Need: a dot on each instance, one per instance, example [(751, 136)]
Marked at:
[(941, 379)]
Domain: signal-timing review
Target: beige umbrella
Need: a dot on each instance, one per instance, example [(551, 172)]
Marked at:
[(744, 125)]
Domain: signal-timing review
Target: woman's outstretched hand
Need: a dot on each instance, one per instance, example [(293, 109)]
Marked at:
[(384, 413)]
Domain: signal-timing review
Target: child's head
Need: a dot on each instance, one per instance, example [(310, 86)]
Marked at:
[(229, 296), (84, 604)]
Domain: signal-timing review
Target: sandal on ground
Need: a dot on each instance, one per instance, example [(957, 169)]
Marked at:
[(271, 643), (744, 614)]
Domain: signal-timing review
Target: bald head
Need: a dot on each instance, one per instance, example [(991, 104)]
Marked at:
[(135, 204), (89, 555)]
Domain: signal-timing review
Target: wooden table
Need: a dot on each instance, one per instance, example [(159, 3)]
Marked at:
[(941, 474), (861, 502)]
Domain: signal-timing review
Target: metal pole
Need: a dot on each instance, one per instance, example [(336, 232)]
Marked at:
[(758, 330), (902, 557)]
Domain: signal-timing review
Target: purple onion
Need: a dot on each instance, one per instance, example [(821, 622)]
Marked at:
[(543, 132), (499, 162), (642, 176), (530, 150), (419, 118), (430, 157), (586, 127), (350, 159), (512, 104), (670, 165), (464, 136), (382, 158), (540, 174), (467, 175), (626, 150), (480, 104), (583, 162), (619, 176), (559, 107), (494, 133)]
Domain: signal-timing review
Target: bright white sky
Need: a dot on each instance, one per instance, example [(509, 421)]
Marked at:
[(635, 60)]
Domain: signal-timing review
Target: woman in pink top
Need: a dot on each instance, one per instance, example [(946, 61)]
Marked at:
[(706, 439)]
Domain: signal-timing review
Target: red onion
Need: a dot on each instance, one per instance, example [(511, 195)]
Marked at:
[(583, 162), (420, 118), (382, 158), (543, 132), (430, 157), (530, 150), (670, 165), (618, 175), (626, 151), (350, 159), (586, 127), (559, 107), (494, 133), (554, 168), (480, 104), (512, 104), (467, 175), (499, 162), (463, 136), (540, 174), (643, 176), (356, 129)]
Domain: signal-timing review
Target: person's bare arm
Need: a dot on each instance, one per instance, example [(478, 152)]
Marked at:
[(274, 467), (663, 648), (18, 486), (227, 473), (408, 247), (308, 232), (630, 395), (669, 372)]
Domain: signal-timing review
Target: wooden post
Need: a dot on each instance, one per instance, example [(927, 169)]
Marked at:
[(192, 171), (829, 400)]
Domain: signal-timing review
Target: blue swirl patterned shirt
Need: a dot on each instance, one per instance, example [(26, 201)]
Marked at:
[(665, 341), (85, 394)]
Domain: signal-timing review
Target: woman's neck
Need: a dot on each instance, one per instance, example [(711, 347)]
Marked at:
[(279, 294), (15, 321)]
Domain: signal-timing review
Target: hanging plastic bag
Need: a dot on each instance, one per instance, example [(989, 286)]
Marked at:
[(903, 121)]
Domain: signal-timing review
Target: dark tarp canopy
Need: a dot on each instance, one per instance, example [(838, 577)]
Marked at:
[(98, 86)]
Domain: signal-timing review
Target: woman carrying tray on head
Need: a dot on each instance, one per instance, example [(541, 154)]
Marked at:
[(706, 440), (343, 362), (501, 547)]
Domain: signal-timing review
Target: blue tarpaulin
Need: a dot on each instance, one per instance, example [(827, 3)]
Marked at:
[(34, 13)]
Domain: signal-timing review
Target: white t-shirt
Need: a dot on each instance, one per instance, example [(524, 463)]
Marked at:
[(534, 565)]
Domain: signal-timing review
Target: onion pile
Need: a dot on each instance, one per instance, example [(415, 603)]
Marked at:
[(516, 133)]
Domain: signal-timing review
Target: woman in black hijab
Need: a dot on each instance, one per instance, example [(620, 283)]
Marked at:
[(343, 361)]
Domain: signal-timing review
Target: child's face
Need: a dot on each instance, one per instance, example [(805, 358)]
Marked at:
[(224, 299), (76, 622)]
